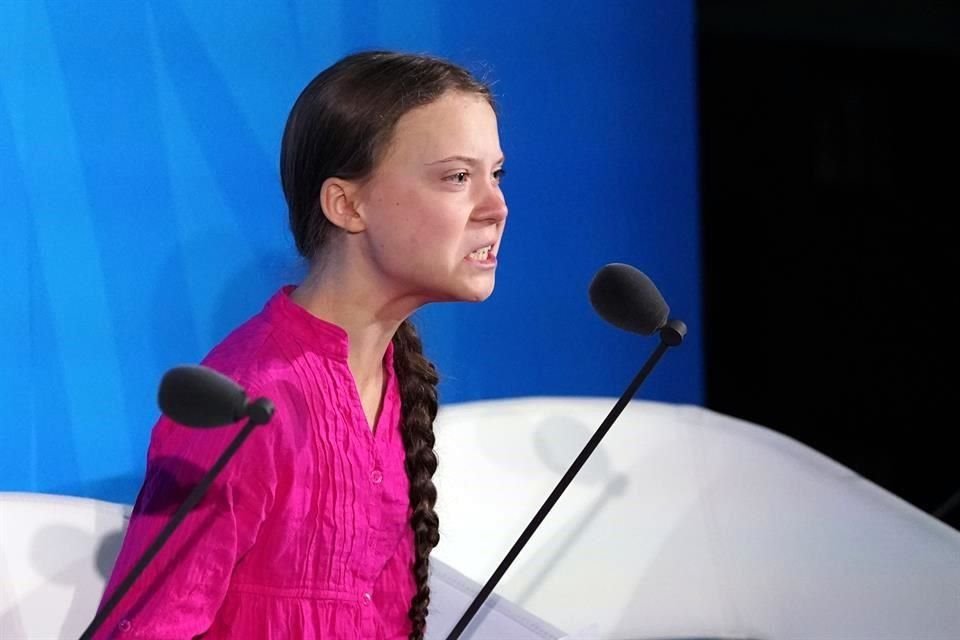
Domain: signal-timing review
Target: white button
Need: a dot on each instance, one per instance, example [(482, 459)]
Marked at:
[(376, 476), (367, 599)]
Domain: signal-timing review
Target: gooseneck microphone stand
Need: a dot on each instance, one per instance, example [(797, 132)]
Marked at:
[(259, 412), (671, 335)]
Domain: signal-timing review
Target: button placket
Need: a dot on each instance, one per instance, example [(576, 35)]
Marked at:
[(376, 472)]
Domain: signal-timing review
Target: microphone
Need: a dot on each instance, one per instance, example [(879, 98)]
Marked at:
[(626, 298), (198, 396), (194, 396)]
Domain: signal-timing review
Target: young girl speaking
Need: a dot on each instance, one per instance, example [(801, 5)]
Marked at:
[(322, 525)]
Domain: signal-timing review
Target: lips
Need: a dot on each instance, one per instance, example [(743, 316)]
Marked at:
[(482, 253)]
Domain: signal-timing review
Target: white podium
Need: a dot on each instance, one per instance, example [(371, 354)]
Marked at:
[(685, 524)]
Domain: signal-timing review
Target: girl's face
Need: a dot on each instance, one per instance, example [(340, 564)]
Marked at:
[(433, 208)]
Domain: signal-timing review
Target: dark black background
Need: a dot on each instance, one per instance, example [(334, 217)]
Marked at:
[(830, 150)]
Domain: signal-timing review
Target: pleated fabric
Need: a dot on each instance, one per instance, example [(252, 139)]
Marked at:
[(306, 532)]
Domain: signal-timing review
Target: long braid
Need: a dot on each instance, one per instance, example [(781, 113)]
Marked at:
[(417, 378)]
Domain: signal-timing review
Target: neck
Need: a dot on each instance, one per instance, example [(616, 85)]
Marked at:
[(370, 320)]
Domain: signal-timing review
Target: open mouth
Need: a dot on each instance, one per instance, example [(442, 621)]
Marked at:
[(482, 255)]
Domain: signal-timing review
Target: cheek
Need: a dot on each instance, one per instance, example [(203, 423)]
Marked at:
[(429, 228), (420, 226)]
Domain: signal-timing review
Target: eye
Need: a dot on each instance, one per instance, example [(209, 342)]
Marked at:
[(460, 177), (498, 174)]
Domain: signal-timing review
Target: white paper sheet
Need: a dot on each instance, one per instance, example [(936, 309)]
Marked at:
[(451, 593)]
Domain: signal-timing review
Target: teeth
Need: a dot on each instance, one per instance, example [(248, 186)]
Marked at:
[(481, 254)]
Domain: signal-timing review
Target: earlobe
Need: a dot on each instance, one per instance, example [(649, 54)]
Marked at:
[(338, 205)]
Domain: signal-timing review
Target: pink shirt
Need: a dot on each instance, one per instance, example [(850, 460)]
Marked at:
[(305, 534)]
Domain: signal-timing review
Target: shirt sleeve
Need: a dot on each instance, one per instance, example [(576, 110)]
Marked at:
[(179, 593)]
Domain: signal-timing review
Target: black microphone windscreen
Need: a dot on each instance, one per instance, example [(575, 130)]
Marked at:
[(197, 396), (626, 298)]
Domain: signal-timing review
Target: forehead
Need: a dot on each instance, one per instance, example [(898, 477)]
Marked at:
[(456, 123)]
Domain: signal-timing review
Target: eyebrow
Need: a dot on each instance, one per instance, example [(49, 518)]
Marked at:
[(464, 159)]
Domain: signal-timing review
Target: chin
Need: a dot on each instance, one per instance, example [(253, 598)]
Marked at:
[(471, 289), (475, 294), (478, 298)]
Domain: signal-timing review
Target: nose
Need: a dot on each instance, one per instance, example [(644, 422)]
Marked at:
[(492, 206)]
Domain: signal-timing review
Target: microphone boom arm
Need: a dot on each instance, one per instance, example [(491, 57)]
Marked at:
[(671, 335), (259, 412)]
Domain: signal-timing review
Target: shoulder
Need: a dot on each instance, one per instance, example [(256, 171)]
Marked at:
[(260, 355), (268, 357)]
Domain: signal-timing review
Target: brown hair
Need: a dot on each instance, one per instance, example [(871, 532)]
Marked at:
[(339, 127)]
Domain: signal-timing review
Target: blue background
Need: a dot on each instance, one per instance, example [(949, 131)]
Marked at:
[(142, 216)]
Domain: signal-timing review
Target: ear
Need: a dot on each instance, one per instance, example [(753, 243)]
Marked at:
[(337, 200)]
